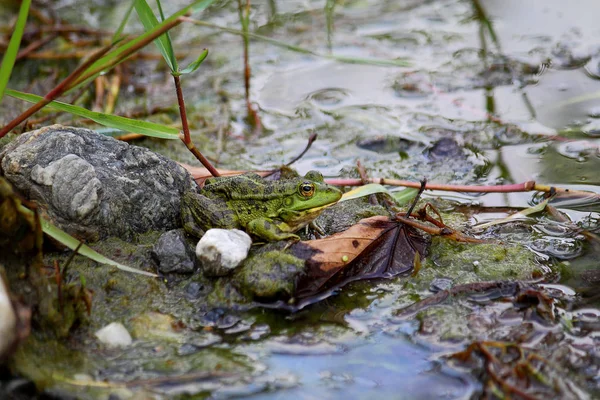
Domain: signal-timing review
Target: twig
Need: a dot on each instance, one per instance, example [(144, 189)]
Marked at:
[(437, 231), (561, 218), (60, 275), (311, 139), (35, 45), (416, 199)]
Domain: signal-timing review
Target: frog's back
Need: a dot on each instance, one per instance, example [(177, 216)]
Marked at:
[(249, 186)]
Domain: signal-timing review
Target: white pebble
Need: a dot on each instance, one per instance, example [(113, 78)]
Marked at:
[(221, 250), (114, 335)]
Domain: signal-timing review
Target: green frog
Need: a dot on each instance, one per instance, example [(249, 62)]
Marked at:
[(271, 210)]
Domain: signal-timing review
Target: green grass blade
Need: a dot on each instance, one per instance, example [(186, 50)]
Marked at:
[(402, 197), (163, 42), (10, 56), (160, 10), (119, 31), (194, 65), (199, 6), (121, 53), (521, 214), (112, 121), (72, 243), (364, 190), (405, 196)]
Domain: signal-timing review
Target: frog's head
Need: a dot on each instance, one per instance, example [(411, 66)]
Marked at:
[(311, 192)]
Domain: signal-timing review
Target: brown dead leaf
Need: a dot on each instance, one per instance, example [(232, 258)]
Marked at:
[(376, 247)]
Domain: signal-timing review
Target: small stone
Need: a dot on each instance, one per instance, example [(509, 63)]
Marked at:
[(205, 339), (218, 318), (439, 284), (173, 253), (114, 335), (221, 250), (8, 320), (194, 290)]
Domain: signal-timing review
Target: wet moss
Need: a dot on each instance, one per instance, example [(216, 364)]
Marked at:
[(40, 358), (476, 262), (224, 294), (269, 275)]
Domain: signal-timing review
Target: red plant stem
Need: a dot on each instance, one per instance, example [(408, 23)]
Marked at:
[(244, 14), (516, 187), (186, 137), (203, 160), (184, 122), (247, 73), (54, 93)]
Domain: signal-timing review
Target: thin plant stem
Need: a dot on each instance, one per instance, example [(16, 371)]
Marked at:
[(184, 122), (244, 14), (311, 140), (186, 137)]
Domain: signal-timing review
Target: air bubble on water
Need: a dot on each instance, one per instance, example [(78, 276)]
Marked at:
[(594, 112), (560, 248), (576, 150)]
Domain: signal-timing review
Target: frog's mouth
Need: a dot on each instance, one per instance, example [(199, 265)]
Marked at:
[(313, 212)]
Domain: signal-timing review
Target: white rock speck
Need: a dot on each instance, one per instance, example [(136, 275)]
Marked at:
[(114, 335)]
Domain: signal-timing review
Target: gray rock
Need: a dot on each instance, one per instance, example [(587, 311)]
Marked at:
[(221, 250), (94, 186), (173, 253)]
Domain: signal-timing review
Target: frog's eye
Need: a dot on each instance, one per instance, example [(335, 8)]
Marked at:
[(307, 189)]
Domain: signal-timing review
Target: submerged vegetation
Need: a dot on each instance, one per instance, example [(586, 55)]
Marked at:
[(487, 287)]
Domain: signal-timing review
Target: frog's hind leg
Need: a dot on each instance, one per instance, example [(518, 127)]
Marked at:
[(200, 213), (270, 230)]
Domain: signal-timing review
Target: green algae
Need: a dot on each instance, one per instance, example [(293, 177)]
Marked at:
[(269, 275), (69, 368), (476, 262)]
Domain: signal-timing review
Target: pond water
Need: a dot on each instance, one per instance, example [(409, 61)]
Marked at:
[(508, 85)]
